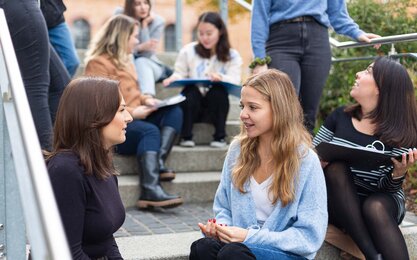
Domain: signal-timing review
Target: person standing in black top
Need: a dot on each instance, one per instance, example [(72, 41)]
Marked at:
[(91, 119), (367, 201)]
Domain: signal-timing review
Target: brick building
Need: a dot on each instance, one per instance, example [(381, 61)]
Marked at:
[(86, 16)]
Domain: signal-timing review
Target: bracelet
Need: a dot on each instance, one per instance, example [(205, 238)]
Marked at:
[(258, 61), (398, 177)]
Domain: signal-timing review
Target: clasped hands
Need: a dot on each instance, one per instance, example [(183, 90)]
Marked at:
[(223, 232)]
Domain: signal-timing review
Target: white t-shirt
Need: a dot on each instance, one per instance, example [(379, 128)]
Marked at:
[(262, 198)]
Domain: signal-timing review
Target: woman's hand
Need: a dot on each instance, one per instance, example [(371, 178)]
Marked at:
[(168, 80), (142, 112), (231, 234), (151, 102), (259, 69), (366, 37), (401, 168), (214, 76), (209, 230), (146, 21)]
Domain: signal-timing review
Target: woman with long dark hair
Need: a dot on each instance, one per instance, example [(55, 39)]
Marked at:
[(81, 168), (368, 202), (148, 67), (211, 57)]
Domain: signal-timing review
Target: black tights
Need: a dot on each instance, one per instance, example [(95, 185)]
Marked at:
[(372, 224)]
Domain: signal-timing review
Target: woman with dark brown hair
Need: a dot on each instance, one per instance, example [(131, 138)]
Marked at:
[(212, 58), (148, 67), (367, 201), (81, 169)]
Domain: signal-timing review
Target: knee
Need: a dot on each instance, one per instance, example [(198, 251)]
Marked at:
[(151, 131), (190, 104), (175, 112), (218, 93), (202, 247), (374, 208), (141, 62), (144, 129), (233, 251)]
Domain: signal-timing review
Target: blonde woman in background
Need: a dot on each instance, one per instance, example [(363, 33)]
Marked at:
[(152, 133)]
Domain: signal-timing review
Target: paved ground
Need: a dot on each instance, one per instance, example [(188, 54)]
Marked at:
[(163, 221), (180, 219)]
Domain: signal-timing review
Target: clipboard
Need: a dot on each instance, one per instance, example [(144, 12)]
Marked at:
[(355, 156), (232, 89)]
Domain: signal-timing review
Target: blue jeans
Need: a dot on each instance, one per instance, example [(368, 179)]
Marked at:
[(43, 74), (270, 253), (209, 248), (148, 72), (61, 39), (144, 135), (302, 50)]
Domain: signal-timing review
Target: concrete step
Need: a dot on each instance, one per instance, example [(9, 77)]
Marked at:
[(182, 159), (193, 187), (177, 246)]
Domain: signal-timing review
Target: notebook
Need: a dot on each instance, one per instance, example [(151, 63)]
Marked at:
[(171, 101), (356, 156)]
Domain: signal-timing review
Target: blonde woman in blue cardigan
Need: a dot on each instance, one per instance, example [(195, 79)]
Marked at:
[(271, 201)]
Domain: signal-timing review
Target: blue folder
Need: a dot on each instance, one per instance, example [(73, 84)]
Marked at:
[(232, 89)]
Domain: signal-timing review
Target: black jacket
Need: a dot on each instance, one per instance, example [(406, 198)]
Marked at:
[(53, 11)]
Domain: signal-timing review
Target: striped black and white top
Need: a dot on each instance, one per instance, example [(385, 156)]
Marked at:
[(338, 128)]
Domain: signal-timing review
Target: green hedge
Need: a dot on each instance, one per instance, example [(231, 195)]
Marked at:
[(387, 19)]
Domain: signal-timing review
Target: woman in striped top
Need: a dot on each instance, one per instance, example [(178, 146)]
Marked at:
[(368, 202)]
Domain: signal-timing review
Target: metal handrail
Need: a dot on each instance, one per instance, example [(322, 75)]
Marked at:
[(398, 55), (382, 40), (244, 4), (45, 231), (353, 44)]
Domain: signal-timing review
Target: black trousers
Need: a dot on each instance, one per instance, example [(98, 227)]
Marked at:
[(211, 108), (302, 50), (43, 73), (209, 248)]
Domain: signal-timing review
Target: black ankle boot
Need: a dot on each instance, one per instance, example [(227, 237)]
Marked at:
[(152, 194), (168, 135)]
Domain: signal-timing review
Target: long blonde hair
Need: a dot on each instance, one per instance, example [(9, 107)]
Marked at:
[(290, 141), (112, 39)]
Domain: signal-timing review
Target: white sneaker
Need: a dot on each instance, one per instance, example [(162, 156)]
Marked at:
[(218, 144), (187, 143)]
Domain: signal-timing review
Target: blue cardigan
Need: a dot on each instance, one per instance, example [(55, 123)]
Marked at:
[(298, 228)]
